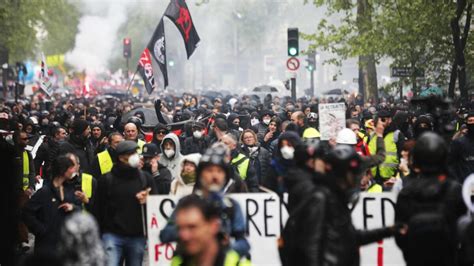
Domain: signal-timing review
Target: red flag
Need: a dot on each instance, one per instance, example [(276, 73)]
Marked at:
[(178, 12)]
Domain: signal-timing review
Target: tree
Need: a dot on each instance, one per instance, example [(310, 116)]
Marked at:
[(22, 21), (413, 33), (458, 69)]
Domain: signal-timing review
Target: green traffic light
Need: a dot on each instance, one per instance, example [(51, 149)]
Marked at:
[(292, 51), (171, 63), (310, 68)]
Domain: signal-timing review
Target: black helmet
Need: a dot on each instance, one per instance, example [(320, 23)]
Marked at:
[(342, 160), (135, 120), (430, 153), (218, 154)]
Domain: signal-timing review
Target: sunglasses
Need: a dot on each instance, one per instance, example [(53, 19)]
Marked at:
[(162, 132)]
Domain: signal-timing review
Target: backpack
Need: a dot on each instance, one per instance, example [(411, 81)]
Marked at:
[(429, 231)]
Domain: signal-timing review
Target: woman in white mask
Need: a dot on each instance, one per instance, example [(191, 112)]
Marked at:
[(171, 156)]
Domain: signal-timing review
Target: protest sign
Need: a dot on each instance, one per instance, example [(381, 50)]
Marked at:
[(332, 118), (266, 215)]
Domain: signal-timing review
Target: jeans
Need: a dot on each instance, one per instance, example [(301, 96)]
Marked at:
[(130, 248)]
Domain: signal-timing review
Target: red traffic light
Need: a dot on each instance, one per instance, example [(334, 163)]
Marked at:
[(126, 41)]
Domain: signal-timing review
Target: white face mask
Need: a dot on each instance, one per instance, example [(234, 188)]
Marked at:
[(266, 121), (197, 134), (287, 152), (169, 153), (254, 121), (134, 160)]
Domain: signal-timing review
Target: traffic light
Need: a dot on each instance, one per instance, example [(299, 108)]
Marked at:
[(127, 47), (311, 61), (293, 40), (171, 63)]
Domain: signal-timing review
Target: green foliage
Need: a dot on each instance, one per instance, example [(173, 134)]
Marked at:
[(29, 25), (411, 32)]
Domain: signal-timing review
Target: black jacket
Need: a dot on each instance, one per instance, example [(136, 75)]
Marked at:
[(53, 152), (461, 158), (259, 160), (71, 186), (83, 150), (261, 129), (162, 179), (331, 239), (116, 206), (418, 197), (251, 180), (193, 145), (43, 218)]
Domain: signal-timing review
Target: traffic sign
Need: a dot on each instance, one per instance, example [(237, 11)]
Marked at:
[(293, 64), (404, 72)]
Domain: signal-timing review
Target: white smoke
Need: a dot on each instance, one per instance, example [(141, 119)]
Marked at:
[(98, 28)]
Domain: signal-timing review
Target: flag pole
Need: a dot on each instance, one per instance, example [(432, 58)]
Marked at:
[(131, 80)]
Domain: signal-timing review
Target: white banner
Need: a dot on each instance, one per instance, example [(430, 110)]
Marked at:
[(332, 118), (265, 215)]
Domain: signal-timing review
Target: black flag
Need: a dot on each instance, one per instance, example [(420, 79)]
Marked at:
[(157, 46), (178, 12), (145, 67)]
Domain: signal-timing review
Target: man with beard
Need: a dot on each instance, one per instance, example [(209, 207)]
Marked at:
[(305, 131), (98, 137), (78, 143), (461, 156)]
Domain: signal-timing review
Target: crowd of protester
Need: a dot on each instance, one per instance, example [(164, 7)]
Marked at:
[(104, 157)]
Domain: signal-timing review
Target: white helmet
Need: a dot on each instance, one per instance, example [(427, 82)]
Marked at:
[(346, 136)]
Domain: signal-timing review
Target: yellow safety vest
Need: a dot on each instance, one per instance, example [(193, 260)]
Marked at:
[(140, 143), (86, 185), (375, 188), (232, 258), (311, 133), (243, 166), (26, 170), (389, 167), (105, 162)]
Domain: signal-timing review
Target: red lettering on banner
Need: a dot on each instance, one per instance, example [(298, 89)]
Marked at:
[(380, 253), (168, 251), (154, 222), (168, 254)]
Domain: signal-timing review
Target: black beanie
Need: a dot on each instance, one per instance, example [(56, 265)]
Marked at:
[(79, 126)]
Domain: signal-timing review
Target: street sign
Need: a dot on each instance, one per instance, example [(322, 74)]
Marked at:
[(405, 72), (293, 64)]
